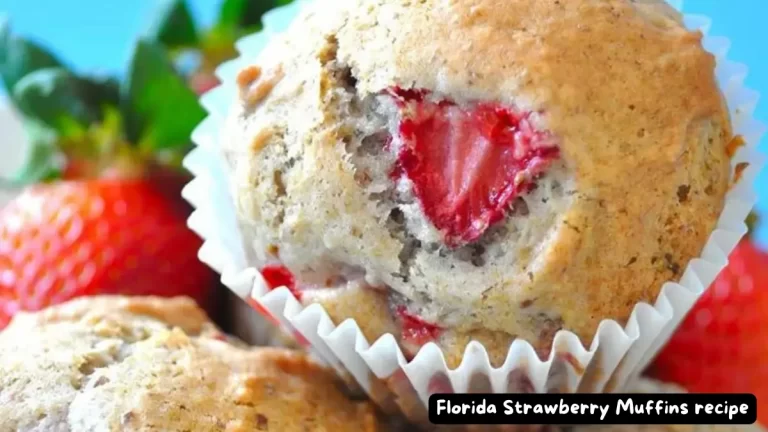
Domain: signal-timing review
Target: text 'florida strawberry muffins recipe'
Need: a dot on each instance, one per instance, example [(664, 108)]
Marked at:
[(594, 409)]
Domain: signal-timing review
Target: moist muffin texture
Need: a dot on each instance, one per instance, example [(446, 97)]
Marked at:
[(151, 364), (483, 170)]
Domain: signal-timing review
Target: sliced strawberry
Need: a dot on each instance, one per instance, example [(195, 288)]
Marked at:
[(467, 163), (415, 330), (277, 276)]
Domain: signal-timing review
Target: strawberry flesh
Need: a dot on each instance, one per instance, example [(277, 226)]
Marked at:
[(467, 164), (278, 276), (414, 329)]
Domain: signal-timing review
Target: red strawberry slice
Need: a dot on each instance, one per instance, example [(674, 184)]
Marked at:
[(468, 163), (277, 276), (415, 330)]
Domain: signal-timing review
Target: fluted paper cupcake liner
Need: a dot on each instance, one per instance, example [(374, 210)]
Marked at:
[(616, 354)]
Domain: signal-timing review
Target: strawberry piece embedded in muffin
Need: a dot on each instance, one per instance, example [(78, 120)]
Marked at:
[(415, 330), (277, 276), (468, 163)]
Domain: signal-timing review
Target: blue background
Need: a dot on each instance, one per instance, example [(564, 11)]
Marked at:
[(97, 34)]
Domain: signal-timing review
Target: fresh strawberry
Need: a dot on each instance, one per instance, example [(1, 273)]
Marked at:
[(79, 238), (722, 345), (102, 212), (468, 163)]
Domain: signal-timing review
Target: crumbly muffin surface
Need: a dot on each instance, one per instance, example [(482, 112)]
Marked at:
[(150, 364), (619, 161)]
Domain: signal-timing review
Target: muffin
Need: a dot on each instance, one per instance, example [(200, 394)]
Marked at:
[(129, 364), (478, 170)]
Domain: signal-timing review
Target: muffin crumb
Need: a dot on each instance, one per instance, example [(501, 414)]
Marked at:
[(739, 172), (734, 145), (247, 76), (256, 92), (261, 138)]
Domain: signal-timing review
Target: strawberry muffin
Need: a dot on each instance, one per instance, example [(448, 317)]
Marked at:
[(152, 364), (449, 171)]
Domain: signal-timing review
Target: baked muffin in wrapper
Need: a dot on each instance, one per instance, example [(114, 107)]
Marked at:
[(399, 377)]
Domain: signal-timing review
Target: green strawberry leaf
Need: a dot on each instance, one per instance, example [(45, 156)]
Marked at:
[(19, 57), (238, 14), (160, 109), (55, 97), (100, 91), (174, 26), (44, 160)]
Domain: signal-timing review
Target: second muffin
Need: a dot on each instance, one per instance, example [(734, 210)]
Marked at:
[(152, 364)]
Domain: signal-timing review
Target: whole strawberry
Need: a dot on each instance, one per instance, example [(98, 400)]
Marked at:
[(100, 210), (77, 238), (722, 345)]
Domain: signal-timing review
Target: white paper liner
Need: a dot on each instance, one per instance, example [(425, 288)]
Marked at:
[(617, 353)]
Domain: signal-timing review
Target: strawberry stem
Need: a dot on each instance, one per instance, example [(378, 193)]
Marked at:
[(752, 221)]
